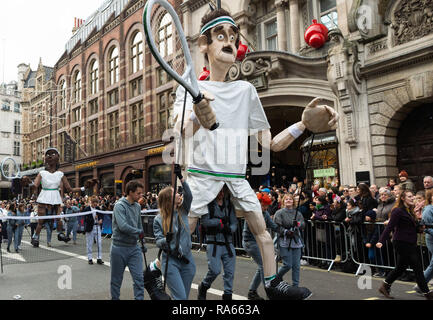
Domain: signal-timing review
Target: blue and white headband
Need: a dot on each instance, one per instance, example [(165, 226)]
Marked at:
[(217, 21)]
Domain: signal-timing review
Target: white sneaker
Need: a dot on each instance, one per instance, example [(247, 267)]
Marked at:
[(304, 262), (417, 289)]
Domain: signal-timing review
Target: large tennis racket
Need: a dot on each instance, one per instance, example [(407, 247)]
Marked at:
[(167, 43), (10, 168)]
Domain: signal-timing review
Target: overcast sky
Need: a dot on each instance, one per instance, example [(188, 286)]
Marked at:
[(33, 29)]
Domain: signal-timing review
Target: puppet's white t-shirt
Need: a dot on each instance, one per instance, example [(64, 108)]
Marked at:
[(223, 153)]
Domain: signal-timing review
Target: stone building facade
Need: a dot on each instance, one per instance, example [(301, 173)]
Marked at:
[(37, 113), (375, 70)]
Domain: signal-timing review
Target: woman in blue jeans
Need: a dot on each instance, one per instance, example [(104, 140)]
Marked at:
[(12, 228), (289, 240), (427, 217), (181, 266), (250, 245)]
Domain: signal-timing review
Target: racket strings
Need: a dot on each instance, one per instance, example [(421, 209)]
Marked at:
[(10, 168)]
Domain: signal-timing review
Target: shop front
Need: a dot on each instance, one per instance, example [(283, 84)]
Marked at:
[(323, 168)]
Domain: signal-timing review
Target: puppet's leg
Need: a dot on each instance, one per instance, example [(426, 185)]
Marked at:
[(275, 287), (257, 225), (42, 211), (60, 234)]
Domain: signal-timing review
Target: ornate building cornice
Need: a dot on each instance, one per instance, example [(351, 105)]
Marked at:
[(279, 65)]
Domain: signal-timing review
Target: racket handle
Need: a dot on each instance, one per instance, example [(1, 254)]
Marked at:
[(197, 100), (215, 126)]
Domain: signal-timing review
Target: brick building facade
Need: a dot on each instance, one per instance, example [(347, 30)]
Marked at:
[(113, 101)]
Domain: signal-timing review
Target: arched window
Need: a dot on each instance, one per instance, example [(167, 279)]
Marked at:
[(77, 86), (165, 36), (94, 77), (62, 86), (113, 65), (137, 52)]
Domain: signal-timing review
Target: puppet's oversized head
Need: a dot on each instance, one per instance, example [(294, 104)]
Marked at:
[(319, 118), (219, 39), (52, 158)]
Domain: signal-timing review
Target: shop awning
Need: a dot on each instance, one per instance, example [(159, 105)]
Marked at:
[(321, 139)]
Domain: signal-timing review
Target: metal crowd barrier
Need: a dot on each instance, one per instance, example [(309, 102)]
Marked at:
[(325, 240), (384, 258)]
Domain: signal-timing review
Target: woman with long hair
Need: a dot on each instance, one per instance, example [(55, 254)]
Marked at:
[(290, 241), (404, 225), (367, 202), (12, 228), (181, 265)]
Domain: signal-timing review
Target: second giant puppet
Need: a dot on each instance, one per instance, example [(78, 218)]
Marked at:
[(237, 108), (49, 200)]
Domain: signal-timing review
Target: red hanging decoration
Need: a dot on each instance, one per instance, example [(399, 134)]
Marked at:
[(316, 35), (242, 51), (204, 75)]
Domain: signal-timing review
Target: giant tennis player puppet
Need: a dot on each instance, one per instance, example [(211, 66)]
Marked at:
[(49, 199), (236, 106)]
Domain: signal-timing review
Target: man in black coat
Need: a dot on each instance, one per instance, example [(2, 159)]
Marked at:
[(92, 227)]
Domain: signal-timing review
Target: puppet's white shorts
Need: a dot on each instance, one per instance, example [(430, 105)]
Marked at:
[(205, 189)]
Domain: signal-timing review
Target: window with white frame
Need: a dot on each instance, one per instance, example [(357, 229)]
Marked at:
[(63, 95), (76, 135), (137, 53), (113, 66), (271, 35), (77, 86), (76, 115), (137, 122), (17, 148), (93, 136), (113, 130), (17, 127), (94, 70), (328, 13)]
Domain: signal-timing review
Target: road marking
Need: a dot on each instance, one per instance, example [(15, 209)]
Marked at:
[(413, 291), (12, 256), (373, 298), (75, 255)]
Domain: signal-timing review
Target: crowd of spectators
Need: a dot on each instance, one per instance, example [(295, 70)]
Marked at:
[(356, 206)]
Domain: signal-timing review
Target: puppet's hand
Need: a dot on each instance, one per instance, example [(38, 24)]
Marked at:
[(89, 184), (25, 181), (319, 118), (203, 111)]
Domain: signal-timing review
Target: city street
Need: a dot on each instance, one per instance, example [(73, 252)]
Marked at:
[(40, 280)]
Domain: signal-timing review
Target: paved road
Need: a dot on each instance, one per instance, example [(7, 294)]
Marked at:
[(38, 277)]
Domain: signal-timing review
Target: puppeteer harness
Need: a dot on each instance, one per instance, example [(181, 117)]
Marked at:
[(214, 231)]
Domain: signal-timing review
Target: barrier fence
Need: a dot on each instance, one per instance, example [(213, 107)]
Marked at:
[(324, 241)]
